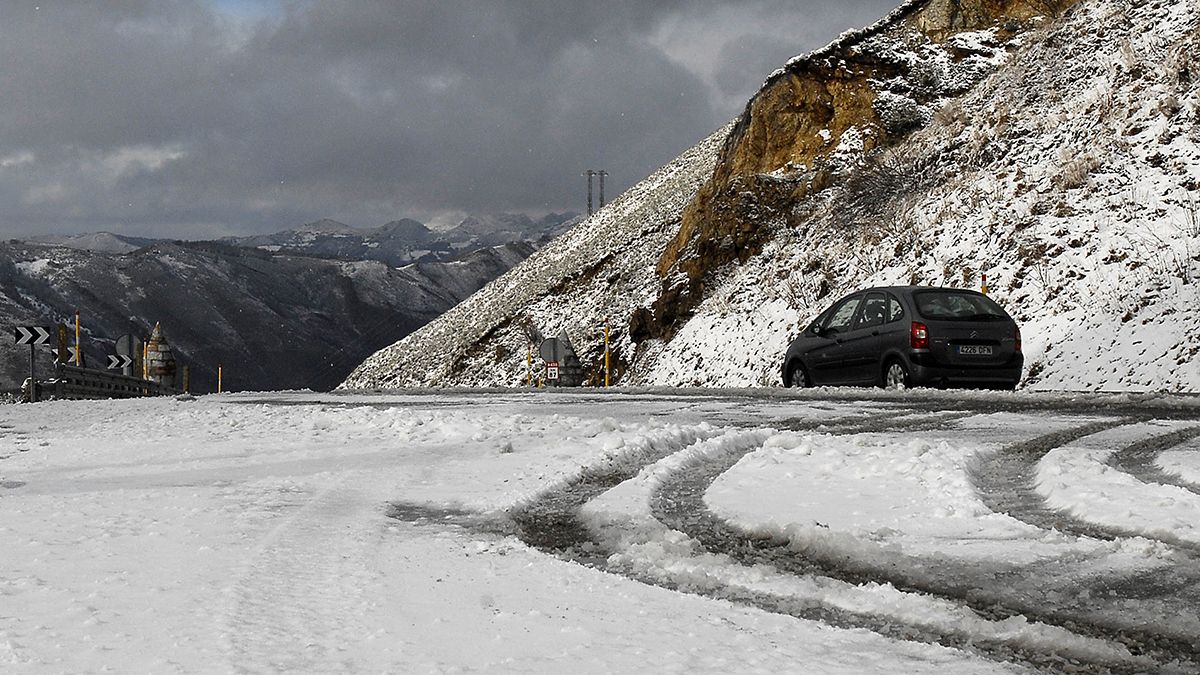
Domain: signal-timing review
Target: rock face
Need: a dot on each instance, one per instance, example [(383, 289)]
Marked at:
[(852, 97)]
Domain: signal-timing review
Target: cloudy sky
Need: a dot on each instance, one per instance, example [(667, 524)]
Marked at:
[(194, 119)]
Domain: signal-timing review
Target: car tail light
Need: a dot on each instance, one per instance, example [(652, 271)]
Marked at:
[(920, 335), (1017, 339)]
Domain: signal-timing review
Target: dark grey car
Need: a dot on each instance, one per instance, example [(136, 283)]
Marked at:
[(904, 336)]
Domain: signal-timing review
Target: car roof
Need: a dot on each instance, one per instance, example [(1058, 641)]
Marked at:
[(909, 289)]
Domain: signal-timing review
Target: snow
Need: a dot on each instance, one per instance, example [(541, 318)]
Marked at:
[(1182, 463), (1113, 497), (34, 268), (251, 532)]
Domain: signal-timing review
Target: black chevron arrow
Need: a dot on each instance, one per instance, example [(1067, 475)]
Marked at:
[(31, 335)]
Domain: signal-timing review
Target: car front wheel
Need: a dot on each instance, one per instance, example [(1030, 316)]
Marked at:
[(796, 377), (895, 375)]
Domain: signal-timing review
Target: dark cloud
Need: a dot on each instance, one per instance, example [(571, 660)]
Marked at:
[(176, 118)]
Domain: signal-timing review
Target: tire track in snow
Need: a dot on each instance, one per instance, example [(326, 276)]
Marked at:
[(1019, 498), (678, 503), (551, 524), (1137, 460), (299, 605), (1004, 481)]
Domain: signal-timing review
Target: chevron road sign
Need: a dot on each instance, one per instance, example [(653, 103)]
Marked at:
[(70, 354), (119, 361), (31, 335)]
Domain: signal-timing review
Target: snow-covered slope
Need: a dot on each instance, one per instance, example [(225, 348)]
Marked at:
[(1064, 164), (404, 242), (603, 267)]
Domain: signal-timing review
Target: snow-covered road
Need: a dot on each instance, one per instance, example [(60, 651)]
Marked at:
[(746, 531)]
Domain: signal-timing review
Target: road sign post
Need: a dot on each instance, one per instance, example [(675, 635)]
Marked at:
[(606, 368), (78, 352), (32, 336), (128, 345), (64, 351)]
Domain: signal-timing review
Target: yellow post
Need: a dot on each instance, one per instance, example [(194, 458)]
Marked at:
[(529, 365), (78, 353), (220, 375), (145, 359), (984, 284), (187, 380), (606, 369)]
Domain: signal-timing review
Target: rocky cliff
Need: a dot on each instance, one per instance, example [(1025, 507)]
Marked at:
[(813, 119)]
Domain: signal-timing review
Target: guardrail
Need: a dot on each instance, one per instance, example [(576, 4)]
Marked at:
[(73, 382)]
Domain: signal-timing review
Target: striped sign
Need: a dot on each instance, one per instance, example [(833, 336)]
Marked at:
[(31, 335)]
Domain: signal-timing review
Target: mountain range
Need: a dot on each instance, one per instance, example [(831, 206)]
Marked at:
[(1051, 145), (296, 309)]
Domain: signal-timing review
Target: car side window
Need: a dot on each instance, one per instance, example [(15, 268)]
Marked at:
[(872, 312), (895, 309), (842, 316)]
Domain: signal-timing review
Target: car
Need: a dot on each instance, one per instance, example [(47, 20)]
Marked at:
[(905, 336)]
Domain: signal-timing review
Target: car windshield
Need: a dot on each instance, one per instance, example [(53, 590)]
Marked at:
[(957, 306)]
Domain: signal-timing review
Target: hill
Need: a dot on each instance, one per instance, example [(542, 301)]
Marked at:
[(406, 241), (274, 321), (1051, 145)]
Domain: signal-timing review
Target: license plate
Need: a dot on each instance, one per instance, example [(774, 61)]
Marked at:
[(975, 350)]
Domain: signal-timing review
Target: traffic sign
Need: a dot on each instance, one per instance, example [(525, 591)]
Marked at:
[(552, 370), (58, 357), (31, 335), (119, 361), (552, 349), (131, 346)]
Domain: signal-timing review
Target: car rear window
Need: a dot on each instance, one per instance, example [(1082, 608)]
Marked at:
[(957, 306)]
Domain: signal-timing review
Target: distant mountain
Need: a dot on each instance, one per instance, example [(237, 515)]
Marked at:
[(1051, 146), (403, 242), (273, 320), (101, 242), (293, 309)]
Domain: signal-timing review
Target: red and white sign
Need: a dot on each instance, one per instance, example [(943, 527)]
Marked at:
[(552, 370)]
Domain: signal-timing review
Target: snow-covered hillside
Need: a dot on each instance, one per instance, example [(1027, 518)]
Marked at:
[(603, 267), (1069, 175)]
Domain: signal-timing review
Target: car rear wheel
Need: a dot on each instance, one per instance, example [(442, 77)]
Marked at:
[(796, 377), (895, 375)]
